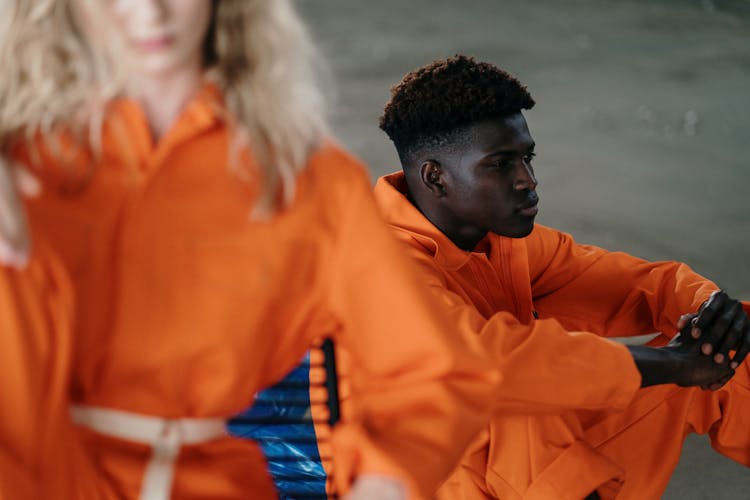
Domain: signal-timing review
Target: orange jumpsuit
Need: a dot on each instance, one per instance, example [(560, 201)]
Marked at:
[(185, 307), (569, 439)]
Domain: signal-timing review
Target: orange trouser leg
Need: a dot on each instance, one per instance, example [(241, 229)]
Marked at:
[(648, 443), (625, 455), (467, 482), (39, 453), (545, 457)]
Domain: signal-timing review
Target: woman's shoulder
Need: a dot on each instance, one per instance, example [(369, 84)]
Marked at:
[(333, 170), (59, 157), (332, 158)]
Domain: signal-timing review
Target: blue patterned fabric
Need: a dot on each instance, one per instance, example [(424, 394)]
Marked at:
[(290, 447)]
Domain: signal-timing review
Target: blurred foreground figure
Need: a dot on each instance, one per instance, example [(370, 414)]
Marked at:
[(193, 232), (464, 207)]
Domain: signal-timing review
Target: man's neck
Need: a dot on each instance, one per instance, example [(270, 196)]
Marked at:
[(464, 237)]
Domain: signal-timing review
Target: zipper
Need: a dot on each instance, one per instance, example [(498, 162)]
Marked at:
[(507, 277), (519, 298)]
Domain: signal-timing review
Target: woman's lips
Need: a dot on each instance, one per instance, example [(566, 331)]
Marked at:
[(153, 44)]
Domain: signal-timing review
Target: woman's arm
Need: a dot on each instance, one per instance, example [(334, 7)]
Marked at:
[(14, 230)]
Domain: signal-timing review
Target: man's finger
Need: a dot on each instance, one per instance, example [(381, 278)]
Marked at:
[(710, 309), (685, 320), (714, 332), (734, 332)]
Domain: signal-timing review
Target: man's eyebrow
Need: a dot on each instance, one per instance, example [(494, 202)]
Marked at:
[(510, 152)]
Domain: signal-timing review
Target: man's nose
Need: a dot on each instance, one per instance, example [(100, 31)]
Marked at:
[(525, 178)]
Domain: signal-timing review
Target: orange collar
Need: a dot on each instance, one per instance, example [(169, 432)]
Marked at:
[(391, 194), (127, 131)]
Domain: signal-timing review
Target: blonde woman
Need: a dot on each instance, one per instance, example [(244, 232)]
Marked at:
[(193, 232)]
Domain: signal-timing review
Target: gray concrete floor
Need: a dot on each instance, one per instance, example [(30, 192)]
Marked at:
[(642, 125)]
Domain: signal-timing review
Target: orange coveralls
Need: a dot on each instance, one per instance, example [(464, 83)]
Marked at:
[(185, 307), (545, 450)]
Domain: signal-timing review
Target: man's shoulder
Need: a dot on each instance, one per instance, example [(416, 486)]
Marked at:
[(418, 246), (544, 232), (545, 238)]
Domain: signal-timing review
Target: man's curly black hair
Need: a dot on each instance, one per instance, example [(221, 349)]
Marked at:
[(429, 105)]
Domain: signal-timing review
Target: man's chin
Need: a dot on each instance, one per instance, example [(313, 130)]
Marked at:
[(516, 232)]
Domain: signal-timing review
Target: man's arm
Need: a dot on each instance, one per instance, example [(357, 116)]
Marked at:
[(547, 368), (612, 294), (618, 295)]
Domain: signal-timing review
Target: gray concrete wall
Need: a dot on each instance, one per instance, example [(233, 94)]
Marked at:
[(642, 125)]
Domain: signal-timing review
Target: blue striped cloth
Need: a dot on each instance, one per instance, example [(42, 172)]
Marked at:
[(290, 448)]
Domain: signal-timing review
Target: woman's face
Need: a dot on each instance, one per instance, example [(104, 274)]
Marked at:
[(158, 36)]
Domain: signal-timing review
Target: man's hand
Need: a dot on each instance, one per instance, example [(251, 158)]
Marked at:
[(694, 368), (372, 487), (699, 354), (14, 231), (721, 326)]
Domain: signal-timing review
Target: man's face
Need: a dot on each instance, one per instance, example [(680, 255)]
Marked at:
[(490, 182)]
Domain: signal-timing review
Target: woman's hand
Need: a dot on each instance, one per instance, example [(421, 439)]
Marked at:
[(372, 487), (14, 230)]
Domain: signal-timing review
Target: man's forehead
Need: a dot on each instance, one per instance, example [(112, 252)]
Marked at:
[(504, 134)]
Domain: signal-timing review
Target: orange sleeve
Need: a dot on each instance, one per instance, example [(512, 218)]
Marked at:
[(726, 417), (609, 293), (419, 393), (545, 368), (35, 362)]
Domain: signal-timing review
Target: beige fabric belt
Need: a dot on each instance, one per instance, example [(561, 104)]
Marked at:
[(635, 340), (165, 436)]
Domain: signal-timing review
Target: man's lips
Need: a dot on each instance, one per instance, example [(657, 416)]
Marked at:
[(529, 208)]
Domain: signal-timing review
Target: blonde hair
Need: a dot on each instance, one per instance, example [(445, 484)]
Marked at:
[(50, 76), (258, 52)]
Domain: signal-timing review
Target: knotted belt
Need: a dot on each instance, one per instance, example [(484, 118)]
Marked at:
[(165, 436)]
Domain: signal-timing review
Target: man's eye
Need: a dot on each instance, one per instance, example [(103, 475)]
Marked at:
[(529, 157)]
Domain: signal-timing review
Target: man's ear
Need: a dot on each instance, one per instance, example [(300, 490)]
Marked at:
[(431, 174)]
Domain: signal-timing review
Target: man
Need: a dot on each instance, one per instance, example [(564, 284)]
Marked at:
[(465, 206)]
